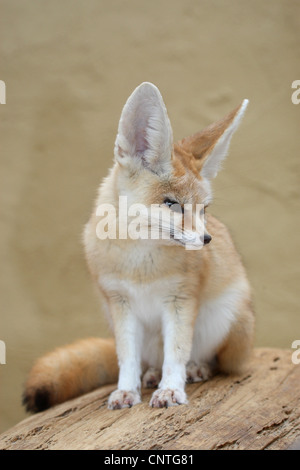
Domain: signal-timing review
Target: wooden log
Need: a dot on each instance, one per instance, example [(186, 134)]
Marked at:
[(259, 409)]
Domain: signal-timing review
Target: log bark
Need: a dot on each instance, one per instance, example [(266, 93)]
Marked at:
[(259, 409)]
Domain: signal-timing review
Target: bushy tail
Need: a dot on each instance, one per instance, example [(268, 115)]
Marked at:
[(70, 371)]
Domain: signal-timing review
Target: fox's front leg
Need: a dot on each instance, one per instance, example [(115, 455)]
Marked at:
[(178, 320), (128, 341)]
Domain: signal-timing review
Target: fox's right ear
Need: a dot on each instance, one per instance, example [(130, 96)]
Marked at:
[(145, 136), (210, 146)]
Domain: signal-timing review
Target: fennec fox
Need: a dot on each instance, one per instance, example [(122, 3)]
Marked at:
[(178, 314)]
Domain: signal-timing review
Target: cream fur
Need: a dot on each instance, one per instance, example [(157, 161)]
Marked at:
[(168, 306)]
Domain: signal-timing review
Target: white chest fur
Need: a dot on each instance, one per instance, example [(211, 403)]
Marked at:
[(146, 300)]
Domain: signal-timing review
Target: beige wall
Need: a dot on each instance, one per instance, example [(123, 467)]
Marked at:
[(69, 67)]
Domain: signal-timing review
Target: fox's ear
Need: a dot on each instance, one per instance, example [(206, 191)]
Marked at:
[(210, 146), (145, 135)]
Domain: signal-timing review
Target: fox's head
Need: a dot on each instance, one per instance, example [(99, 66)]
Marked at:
[(173, 177)]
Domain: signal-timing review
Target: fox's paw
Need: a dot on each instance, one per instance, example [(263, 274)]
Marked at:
[(151, 378), (123, 399), (197, 373), (165, 398)]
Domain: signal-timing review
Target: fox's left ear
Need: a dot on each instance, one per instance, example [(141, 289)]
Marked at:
[(210, 146), (145, 138)]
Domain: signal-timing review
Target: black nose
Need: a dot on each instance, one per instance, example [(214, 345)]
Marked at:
[(207, 239)]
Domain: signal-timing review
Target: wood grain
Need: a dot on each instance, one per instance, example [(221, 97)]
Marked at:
[(259, 409)]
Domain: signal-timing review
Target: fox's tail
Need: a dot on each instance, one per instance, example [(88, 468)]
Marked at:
[(70, 371)]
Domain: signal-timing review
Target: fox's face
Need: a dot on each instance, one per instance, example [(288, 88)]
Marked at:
[(172, 181)]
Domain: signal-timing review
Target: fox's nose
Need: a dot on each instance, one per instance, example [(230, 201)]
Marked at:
[(207, 239)]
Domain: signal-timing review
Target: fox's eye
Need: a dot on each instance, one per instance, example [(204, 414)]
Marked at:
[(173, 206)]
